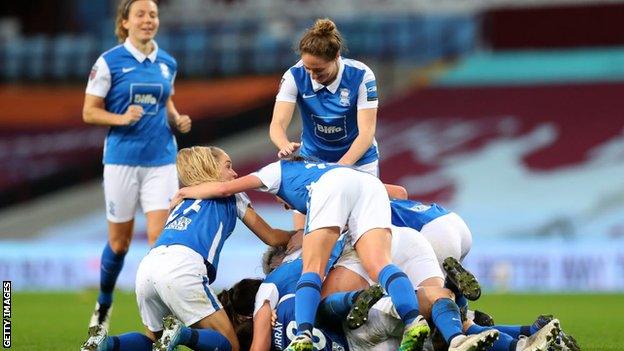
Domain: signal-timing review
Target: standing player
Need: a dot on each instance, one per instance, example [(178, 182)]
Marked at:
[(129, 89), (175, 276), (332, 196), (337, 99)]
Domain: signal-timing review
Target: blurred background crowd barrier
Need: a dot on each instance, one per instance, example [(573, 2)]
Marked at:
[(507, 112)]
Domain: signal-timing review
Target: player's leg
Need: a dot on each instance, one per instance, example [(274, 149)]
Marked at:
[(373, 247), (317, 246), (157, 187), (121, 195), (183, 286)]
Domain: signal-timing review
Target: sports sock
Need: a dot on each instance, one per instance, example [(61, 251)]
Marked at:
[(129, 342), (337, 305), (307, 299), (401, 292), (445, 316), (204, 340), (515, 330), (334, 308), (110, 266), (460, 300), (504, 342)]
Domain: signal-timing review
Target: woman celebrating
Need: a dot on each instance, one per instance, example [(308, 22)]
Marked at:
[(337, 98), (129, 89)]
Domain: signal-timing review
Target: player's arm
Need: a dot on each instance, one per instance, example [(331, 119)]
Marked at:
[(396, 191), (211, 190), (181, 122), (94, 112), (262, 329), (266, 233), (282, 116), (366, 122)]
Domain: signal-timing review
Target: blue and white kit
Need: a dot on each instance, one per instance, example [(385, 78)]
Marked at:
[(330, 195), (176, 274), (139, 159), (329, 113)]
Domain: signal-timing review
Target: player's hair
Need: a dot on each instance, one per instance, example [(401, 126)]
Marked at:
[(198, 164), (322, 40), (269, 254), (123, 10), (238, 303)]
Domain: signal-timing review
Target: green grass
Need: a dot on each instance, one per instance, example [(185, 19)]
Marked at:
[(57, 321)]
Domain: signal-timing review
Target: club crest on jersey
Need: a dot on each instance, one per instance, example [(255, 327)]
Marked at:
[(344, 97), (420, 208), (164, 69)]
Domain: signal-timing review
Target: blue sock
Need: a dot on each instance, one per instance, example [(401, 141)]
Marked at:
[(514, 330), (401, 292), (337, 305), (204, 340), (504, 342), (445, 316), (460, 300), (307, 299), (335, 308), (129, 342), (110, 266)]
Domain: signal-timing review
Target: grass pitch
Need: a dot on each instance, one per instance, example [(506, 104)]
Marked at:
[(57, 321)]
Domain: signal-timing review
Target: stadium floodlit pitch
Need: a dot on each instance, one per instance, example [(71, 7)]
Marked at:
[(57, 321)]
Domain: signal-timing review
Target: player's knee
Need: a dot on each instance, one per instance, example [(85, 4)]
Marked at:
[(119, 245)]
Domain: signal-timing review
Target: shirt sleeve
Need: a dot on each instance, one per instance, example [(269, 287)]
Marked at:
[(266, 292), (242, 203), (367, 92), (99, 79), (288, 88), (172, 83), (270, 176)]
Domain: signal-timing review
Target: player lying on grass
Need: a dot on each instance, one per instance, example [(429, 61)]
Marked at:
[(176, 302)]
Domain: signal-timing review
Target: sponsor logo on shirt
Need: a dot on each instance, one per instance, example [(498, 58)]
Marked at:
[(180, 223), (307, 96), (148, 99), (127, 69), (371, 90)]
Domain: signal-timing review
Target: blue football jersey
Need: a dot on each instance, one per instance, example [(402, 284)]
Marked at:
[(329, 113), (282, 281), (290, 180), (123, 76), (414, 214), (204, 226), (285, 329)]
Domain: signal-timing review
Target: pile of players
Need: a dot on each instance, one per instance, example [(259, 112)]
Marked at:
[(366, 268)]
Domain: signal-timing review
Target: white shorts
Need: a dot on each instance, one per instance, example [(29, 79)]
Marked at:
[(346, 196), (173, 280), (370, 168), (449, 236), (125, 186), (410, 252)]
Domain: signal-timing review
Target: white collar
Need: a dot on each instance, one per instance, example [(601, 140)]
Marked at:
[(139, 56), (334, 85)]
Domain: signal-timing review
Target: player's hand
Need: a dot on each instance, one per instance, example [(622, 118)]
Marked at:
[(295, 242), (288, 149), (273, 318), (133, 114), (183, 123), (176, 199)]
